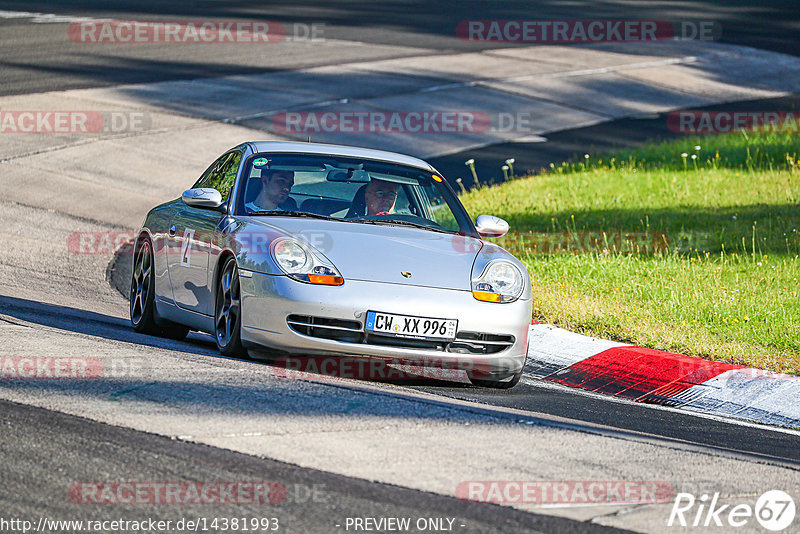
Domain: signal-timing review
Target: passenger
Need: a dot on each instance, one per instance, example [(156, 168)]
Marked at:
[(275, 188)]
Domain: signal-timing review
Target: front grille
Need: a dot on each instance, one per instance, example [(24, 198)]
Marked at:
[(480, 343), (326, 328), (352, 332)]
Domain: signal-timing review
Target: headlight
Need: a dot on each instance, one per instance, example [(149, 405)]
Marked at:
[(291, 257), (500, 281), (302, 263)]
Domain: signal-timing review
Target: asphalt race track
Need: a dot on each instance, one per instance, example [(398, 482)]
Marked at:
[(314, 500), (766, 25), (340, 448)]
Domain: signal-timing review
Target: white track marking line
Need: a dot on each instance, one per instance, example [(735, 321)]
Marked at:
[(45, 18)]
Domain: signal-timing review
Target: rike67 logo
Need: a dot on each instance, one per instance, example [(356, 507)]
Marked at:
[(774, 511)]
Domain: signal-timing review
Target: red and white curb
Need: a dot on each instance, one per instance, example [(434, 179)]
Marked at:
[(654, 376)]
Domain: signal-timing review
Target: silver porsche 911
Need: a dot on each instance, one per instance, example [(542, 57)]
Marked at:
[(289, 249)]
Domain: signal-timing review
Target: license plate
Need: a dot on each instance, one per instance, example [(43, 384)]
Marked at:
[(409, 326)]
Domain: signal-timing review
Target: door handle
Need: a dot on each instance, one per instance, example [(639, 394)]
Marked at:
[(172, 231)]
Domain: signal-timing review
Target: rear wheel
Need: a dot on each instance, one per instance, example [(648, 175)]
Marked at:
[(228, 312), (142, 297)]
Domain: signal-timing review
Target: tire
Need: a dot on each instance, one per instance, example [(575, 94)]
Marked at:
[(228, 312), (500, 383), (142, 297)]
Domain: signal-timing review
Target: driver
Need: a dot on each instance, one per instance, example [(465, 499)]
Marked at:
[(276, 186), (380, 197)]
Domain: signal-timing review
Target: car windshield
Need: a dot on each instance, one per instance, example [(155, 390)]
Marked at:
[(350, 189)]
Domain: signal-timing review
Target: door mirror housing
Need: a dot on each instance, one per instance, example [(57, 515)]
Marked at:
[(491, 226), (203, 197)]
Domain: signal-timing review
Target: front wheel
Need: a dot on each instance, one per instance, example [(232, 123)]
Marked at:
[(228, 312)]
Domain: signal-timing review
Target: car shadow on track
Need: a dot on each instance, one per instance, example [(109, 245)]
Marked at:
[(198, 382), (116, 329)]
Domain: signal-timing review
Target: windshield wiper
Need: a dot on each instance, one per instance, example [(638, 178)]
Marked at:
[(396, 222), (381, 222), (285, 213)]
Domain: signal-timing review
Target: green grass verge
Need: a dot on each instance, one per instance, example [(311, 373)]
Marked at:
[(697, 255)]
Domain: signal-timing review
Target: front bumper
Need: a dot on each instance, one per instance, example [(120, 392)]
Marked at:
[(268, 300)]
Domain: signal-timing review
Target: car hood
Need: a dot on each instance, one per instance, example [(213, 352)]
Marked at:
[(382, 253)]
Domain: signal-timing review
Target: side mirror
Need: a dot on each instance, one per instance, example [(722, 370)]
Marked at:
[(491, 226), (202, 197)]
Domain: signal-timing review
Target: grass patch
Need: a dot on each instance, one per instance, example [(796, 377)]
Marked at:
[(694, 255)]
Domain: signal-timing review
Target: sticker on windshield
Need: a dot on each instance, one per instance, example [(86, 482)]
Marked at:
[(260, 162)]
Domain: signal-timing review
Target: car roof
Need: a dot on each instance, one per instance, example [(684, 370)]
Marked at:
[(339, 150)]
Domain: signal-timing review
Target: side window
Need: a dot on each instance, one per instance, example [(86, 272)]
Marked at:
[(221, 174), (206, 176)]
